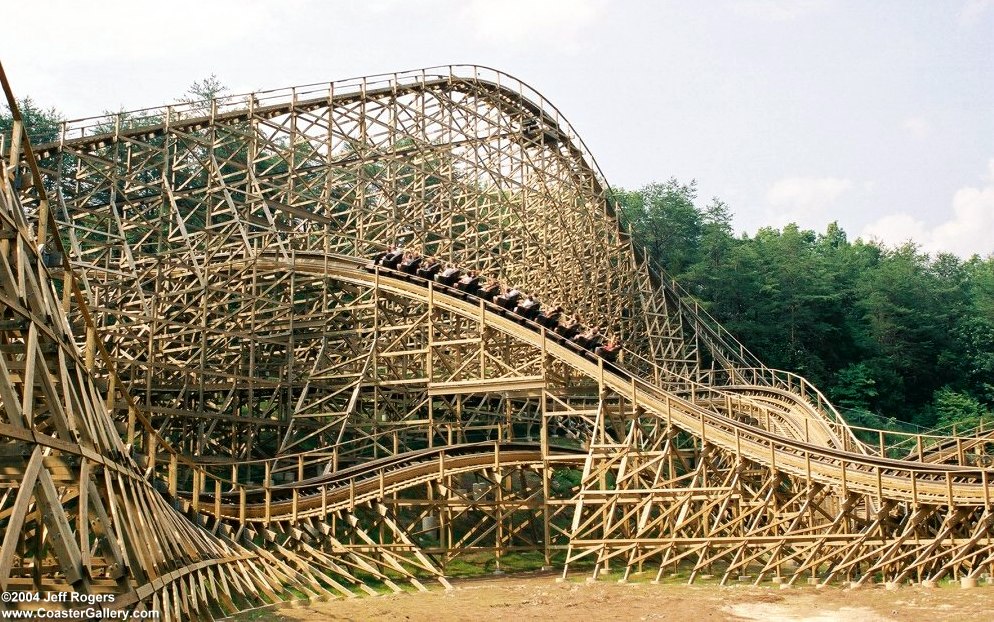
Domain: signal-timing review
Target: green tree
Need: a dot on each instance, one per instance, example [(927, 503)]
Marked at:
[(908, 306), (972, 356), (952, 407), (716, 276), (203, 91), (41, 124), (663, 219), (794, 310), (855, 387)]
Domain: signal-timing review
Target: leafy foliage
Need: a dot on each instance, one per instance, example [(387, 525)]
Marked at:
[(954, 408), (42, 124), (662, 217), (892, 334)]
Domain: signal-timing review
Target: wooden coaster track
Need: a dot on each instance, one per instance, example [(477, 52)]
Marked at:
[(211, 402)]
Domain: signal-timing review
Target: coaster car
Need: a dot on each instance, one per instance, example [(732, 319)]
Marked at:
[(469, 284), (392, 260), (509, 300), (489, 292), (528, 309), (430, 270), (608, 352), (549, 318), (411, 264), (449, 276), (569, 330)]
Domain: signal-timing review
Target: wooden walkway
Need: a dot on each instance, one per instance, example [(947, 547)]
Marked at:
[(212, 402)]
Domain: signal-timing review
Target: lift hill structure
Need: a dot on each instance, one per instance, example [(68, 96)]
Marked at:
[(212, 402)]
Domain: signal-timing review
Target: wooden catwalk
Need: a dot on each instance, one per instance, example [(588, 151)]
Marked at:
[(215, 400)]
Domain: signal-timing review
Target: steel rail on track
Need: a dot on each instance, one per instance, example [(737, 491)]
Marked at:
[(323, 498), (874, 475), (813, 458), (803, 441)]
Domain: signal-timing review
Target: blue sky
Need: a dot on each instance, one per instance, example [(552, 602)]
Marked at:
[(879, 115)]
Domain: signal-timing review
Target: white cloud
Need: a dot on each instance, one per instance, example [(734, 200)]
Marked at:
[(380, 7), (896, 229), (918, 127), (804, 200), (973, 11), (561, 23), (84, 33), (780, 10), (968, 230)]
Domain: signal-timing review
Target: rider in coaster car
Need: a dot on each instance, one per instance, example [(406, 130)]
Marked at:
[(469, 283), (609, 351), (588, 339), (489, 290), (393, 259), (509, 299), (571, 328), (429, 268), (528, 308), (550, 317), (411, 263), (449, 276)]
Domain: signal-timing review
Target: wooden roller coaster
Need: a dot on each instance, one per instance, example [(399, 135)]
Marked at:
[(213, 401)]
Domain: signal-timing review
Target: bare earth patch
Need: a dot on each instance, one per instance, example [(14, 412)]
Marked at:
[(524, 597)]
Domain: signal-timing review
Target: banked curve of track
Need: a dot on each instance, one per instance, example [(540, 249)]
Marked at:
[(886, 478), (373, 480)]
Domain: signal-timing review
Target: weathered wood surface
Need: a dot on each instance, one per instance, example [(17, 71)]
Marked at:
[(212, 403)]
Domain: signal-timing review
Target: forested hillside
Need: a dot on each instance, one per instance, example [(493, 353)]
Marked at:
[(893, 335)]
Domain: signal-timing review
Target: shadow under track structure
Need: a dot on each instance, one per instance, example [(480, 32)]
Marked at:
[(311, 426)]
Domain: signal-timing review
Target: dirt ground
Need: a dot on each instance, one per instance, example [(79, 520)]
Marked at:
[(523, 597)]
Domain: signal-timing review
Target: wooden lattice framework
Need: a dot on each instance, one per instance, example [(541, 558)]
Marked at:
[(212, 404)]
